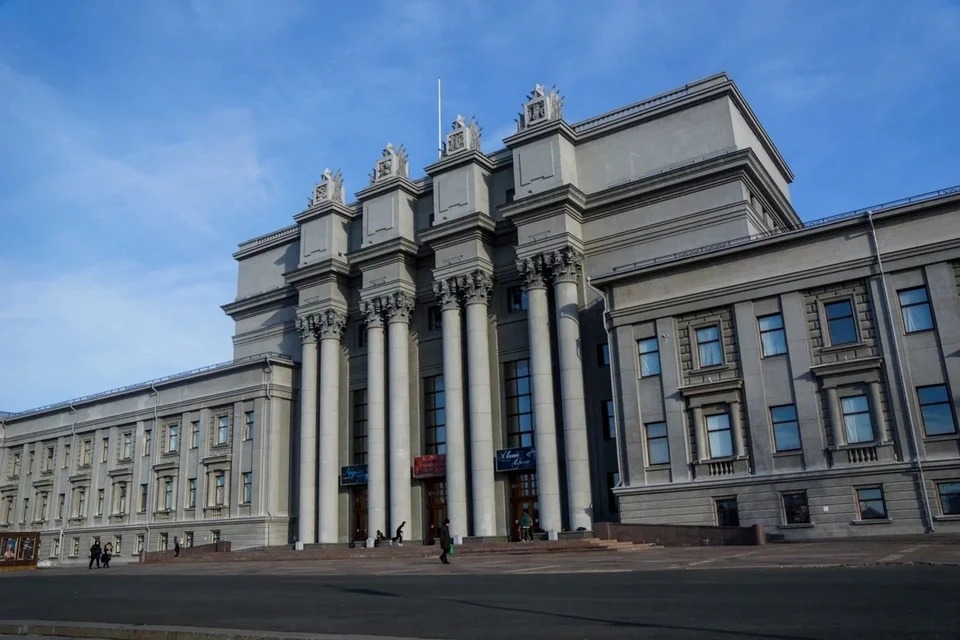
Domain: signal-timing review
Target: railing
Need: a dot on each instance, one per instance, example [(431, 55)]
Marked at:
[(734, 242), (626, 112), (270, 237), (861, 455), (149, 383), (724, 468)]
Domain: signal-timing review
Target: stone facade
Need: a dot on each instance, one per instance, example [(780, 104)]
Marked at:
[(568, 325)]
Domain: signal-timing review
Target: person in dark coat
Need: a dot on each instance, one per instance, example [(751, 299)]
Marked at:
[(95, 553), (106, 555), (445, 541), (399, 538), (176, 547)]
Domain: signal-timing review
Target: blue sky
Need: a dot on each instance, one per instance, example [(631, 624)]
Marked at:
[(141, 141)]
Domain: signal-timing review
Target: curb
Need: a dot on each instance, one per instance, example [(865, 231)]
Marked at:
[(108, 631)]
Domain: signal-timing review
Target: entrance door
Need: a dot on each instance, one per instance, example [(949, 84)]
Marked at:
[(359, 514), (436, 508), (523, 495)]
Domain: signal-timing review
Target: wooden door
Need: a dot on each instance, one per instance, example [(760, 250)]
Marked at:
[(436, 505), (523, 495), (359, 533)]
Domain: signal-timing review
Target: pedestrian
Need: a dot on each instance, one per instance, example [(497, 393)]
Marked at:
[(176, 547), (446, 544), (399, 538), (106, 555), (95, 553), (526, 524)]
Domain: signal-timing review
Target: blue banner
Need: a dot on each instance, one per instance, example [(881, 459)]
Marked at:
[(353, 475), (516, 459)]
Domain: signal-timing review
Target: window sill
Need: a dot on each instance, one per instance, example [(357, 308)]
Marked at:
[(658, 467), (944, 437), (171, 454), (833, 348), (788, 453), (872, 521), (804, 525), (954, 517), (714, 368)]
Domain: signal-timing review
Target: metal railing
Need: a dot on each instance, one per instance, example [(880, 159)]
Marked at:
[(630, 110), (734, 242), (149, 383), (270, 237)]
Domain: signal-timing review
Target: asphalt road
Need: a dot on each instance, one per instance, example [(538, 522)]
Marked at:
[(896, 602)]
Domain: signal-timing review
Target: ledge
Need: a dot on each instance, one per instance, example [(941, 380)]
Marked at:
[(846, 346), (711, 387), (947, 518), (806, 525), (847, 366), (874, 521)]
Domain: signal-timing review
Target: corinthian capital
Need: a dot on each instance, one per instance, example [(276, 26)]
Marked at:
[(398, 306), (372, 311), (448, 292), (565, 264), (476, 287), (533, 270), (332, 324), (308, 326)]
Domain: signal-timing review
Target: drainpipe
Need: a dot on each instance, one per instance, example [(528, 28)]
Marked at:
[(265, 433), (67, 507), (901, 378), (155, 431), (608, 325)]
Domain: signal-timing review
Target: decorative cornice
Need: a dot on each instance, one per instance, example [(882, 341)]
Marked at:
[(534, 271), (282, 296), (332, 324), (330, 269), (566, 264), (448, 292), (372, 312), (398, 306), (476, 287)]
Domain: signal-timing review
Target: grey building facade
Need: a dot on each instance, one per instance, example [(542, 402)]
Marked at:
[(618, 318)]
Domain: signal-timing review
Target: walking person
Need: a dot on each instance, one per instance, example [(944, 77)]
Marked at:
[(399, 538), (176, 547), (106, 555), (445, 542), (95, 553), (526, 526)]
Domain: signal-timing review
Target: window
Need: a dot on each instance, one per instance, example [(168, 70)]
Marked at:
[(786, 429), (173, 438), (168, 493), (841, 325), (856, 419), (117, 545), (147, 442), (223, 429), (126, 448), (81, 502), (613, 480), (360, 426), (215, 537), (773, 340), (48, 463), (8, 510), (192, 492), (915, 309), (30, 463), (795, 508), (609, 420), (728, 515), (139, 546), (871, 503), (44, 504), (936, 411), (194, 434), (434, 318), (658, 445), (247, 496), (26, 510), (188, 539), (87, 456), (435, 415), (15, 466), (603, 355), (122, 501), (720, 435), (164, 540), (75, 547), (249, 418), (56, 547), (66, 456), (61, 503), (142, 507), (516, 299), (649, 357), (511, 194), (519, 404), (220, 486), (362, 335), (708, 346), (101, 493), (949, 498), (104, 450)]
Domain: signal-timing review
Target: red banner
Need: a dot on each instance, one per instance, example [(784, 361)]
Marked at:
[(430, 466)]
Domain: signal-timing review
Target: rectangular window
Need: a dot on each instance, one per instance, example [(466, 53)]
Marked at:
[(708, 346), (434, 318), (30, 463), (81, 502), (658, 445), (87, 453), (49, 461), (856, 419), (841, 324), (516, 299), (915, 309), (122, 502), (142, 507), (15, 466), (728, 514), (44, 504), (795, 508), (194, 434), (949, 498), (519, 404), (786, 429), (75, 547), (362, 335), (223, 429), (511, 194), (66, 456), (215, 537), (773, 340), (104, 450), (188, 539), (249, 426), (649, 357), (101, 494), (164, 540), (936, 411), (56, 547), (147, 442), (609, 420), (139, 547), (8, 510), (434, 415), (26, 510), (603, 355), (61, 503), (117, 545), (173, 438), (219, 489), (720, 435), (871, 503), (192, 493), (613, 480), (126, 450), (168, 493), (247, 497), (360, 426)]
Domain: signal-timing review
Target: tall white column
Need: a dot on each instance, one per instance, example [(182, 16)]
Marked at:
[(306, 513), (456, 457), (376, 415), (331, 330), (541, 373), (399, 307), (477, 287), (567, 265)]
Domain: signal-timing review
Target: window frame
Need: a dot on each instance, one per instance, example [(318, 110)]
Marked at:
[(654, 353), (774, 421), (868, 412), (735, 510), (940, 496), (882, 499), (949, 405), (194, 434), (910, 305), (609, 419), (431, 411), (603, 354), (223, 429), (515, 438), (359, 426), (434, 318), (777, 330), (728, 429), (516, 297), (191, 493), (805, 520), (656, 439), (246, 487), (249, 424), (827, 320), (718, 342)]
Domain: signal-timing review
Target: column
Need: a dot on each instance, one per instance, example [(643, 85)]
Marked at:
[(332, 324), (876, 405), (836, 418), (541, 374), (476, 288), (399, 307), (372, 311), (456, 457), (736, 425), (566, 265), (306, 513)]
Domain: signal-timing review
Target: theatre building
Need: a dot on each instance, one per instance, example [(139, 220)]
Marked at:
[(616, 319)]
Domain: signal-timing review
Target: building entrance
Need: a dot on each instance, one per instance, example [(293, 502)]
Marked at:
[(523, 495), (436, 505), (359, 529)]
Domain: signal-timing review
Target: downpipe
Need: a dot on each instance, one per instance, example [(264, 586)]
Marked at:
[(608, 327), (67, 506)]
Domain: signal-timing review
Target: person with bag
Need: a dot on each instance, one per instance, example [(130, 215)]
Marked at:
[(95, 553), (446, 543)]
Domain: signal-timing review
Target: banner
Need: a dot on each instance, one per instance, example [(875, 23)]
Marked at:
[(518, 459), (433, 466), (354, 474)]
